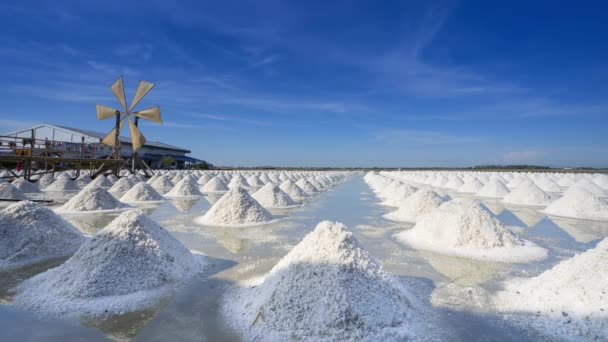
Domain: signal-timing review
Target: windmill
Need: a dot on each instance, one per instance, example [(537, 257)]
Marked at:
[(131, 117)]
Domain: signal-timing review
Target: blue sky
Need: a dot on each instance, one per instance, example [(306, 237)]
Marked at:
[(323, 83)]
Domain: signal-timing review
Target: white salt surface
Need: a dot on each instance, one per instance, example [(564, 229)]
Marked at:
[(162, 183), (308, 188), (293, 191), (141, 192), (271, 196), (415, 206), (25, 186), (327, 288), (235, 208), (32, 233), (63, 183), (45, 181), (127, 266), (527, 193), (215, 185), (185, 188), (578, 202), (100, 181), (92, 199), (471, 186), (465, 228), (9, 191), (122, 185), (566, 302), (493, 189)]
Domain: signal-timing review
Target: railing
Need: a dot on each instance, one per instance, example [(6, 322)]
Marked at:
[(23, 146)]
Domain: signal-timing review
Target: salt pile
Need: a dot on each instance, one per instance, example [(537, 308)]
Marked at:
[(141, 192), (418, 204), (235, 208), (493, 189), (271, 196), (464, 228), (471, 186), (126, 266), (112, 178), (92, 199), (204, 179), (83, 180), (591, 187), (253, 180), (238, 181), (527, 193), (293, 191), (32, 233), (547, 185), (45, 181), (215, 185), (566, 302), (327, 288), (185, 188), (162, 183), (9, 191), (101, 181), (177, 178), (579, 202), (25, 186), (308, 188), (63, 183), (121, 186), (394, 196)]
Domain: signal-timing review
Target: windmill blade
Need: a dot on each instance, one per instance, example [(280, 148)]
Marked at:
[(110, 138), (104, 112), (142, 89), (118, 89), (152, 114), (137, 139)]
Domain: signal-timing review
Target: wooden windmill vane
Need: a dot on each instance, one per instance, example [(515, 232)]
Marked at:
[(137, 138)]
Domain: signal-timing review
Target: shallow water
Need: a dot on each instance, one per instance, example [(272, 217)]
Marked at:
[(451, 289)]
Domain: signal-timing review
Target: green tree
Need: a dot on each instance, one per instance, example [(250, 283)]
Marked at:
[(167, 161)]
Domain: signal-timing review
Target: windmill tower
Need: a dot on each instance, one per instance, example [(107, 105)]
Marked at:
[(127, 114)]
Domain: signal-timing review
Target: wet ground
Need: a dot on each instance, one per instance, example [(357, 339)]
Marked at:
[(453, 291)]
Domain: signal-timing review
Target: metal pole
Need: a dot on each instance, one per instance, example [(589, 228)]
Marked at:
[(134, 153), (117, 141)]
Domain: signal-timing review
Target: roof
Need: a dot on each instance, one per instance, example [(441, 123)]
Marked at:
[(123, 140)]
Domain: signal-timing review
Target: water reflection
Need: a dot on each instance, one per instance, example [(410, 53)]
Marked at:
[(184, 204), (462, 271), (582, 230), (91, 223), (529, 216), (213, 197)]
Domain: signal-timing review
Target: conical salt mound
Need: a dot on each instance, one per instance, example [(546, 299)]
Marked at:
[(63, 183), (271, 196), (398, 194), (45, 181), (253, 180), (100, 181), (185, 188), (471, 186), (9, 192), (308, 188), (204, 179), (293, 191), (162, 183), (578, 202), (238, 181), (128, 264), (415, 206), (327, 288), (112, 178), (141, 192), (464, 228), (121, 186), (177, 178), (25, 186), (215, 185), (32, 233), (566, 302), (235, 208), (493, 189), (527, 193), (591, 187), (83, 180), (92, 199), (547, 185)]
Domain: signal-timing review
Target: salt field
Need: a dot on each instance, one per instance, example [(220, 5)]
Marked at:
[(275, 256)]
